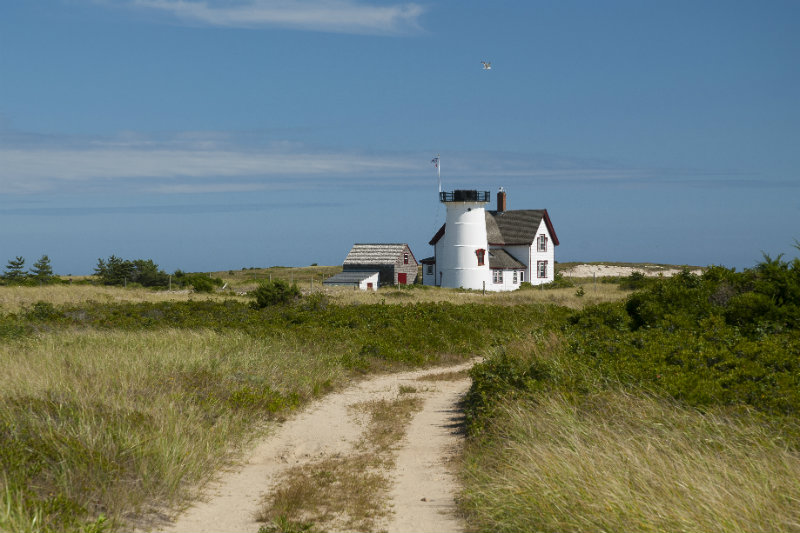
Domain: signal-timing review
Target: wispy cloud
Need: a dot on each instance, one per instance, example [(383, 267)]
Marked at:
[(35, 170), (335, 16), (197, 162)]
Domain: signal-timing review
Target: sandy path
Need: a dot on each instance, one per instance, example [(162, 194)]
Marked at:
[(425, 487), (329, 427)]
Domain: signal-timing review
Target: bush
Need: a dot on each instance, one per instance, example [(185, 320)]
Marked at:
[(636, 281), (725, 338), (202, 284), (559, 282), (276, 292), (199, 281)]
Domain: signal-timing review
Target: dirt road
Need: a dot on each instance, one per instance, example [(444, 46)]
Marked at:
[(422, 484)]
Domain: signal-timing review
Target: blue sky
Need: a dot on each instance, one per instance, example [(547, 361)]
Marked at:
[(221, 134)]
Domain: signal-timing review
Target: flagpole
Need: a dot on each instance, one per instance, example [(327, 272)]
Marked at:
[(439, 172)]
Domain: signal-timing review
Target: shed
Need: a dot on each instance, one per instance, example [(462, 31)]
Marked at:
[(394, 261), (364, 280)]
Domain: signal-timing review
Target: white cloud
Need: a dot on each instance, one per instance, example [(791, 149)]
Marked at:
[(226, 162), (337, 16), (34, 169)]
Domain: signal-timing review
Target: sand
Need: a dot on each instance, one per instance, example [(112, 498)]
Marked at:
[(588, 271), (424, 485)]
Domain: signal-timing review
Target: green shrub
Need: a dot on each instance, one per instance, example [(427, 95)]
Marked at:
[(559, 282), (199, 281), (276, 292), (202, 284), (636, 281)]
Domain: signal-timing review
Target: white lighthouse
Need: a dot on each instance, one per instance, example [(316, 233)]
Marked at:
[(463, 260)]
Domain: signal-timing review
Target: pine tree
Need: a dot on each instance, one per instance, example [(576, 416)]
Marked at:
[(42, 271), (15, 272)]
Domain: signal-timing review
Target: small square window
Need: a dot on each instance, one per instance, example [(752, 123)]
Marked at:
[(497, 276)]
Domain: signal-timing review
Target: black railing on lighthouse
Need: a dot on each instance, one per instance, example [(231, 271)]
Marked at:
[(464, 196)]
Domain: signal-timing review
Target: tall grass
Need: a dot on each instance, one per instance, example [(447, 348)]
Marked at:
[(593, 293), (117, 410), (115, 423), (14, 299), (627, 461), (675, 412)]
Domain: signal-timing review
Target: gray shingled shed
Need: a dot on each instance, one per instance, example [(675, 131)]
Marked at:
[(394, 261), (365, 280)]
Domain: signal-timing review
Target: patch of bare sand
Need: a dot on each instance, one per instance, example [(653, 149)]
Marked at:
[(423, 494), (588, 271)]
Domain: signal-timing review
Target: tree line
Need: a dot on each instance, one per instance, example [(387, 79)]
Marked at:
[(41, 272), (112, 271)]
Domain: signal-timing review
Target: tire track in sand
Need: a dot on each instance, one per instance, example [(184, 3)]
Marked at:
[(423, 487)]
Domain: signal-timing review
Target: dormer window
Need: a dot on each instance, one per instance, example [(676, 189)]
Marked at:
[(481, 253), (541, 243)]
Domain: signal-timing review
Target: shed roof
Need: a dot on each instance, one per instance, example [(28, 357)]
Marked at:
[(516, 226), (350, 276), (376, 254), (501, 259)]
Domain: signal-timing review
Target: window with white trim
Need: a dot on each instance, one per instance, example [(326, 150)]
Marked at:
[(541, 269), (522, 276), (497, 276), (515, 278), (541, 245), (405, 259)]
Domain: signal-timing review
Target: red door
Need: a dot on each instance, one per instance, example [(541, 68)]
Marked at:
[(401, 278)]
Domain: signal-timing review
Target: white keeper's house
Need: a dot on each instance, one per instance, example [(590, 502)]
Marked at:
[(492, 250)]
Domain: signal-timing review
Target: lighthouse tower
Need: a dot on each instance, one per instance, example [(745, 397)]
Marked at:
[(464, 258)]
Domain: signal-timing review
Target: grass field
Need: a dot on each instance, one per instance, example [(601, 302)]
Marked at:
[(116, 403), (16, 298), (112, 423)]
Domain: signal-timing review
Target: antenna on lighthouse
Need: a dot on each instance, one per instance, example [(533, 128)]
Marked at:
[(438, 166)]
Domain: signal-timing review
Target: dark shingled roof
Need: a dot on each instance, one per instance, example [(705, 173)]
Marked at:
[(350, 276), (376, 254), (501, 259), (516, 226)]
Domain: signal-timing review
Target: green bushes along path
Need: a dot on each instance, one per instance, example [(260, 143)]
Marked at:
[(676, 410)]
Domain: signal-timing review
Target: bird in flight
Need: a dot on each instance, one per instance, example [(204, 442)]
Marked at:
[(487, 65)]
